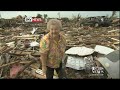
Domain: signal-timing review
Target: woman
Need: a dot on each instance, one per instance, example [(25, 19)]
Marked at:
[(52, 49)]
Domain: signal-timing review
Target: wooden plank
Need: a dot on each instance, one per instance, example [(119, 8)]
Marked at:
[(32, 72), (20, 53), (113, 30), (27, 38), (26, 66), (4, 65), (7, 50), (116, 42), (114, 47), (25, 62), (110, 35), (115, 39), (3, 48)]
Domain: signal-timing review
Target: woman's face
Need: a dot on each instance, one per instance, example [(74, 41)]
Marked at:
[(54, 30)]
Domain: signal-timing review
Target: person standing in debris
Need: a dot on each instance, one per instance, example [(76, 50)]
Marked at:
[(52, 49)]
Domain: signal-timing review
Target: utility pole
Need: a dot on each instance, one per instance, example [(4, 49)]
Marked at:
[(0, 16), (59, 14)]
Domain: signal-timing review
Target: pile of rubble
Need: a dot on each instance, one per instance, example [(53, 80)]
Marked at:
[(91, 37), (89, 63), (19, 48)]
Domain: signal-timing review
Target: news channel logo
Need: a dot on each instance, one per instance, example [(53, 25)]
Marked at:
[(97, 70), (33, 19), (28, 19)]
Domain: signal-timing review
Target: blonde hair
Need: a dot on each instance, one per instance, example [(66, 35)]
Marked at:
[(54, 22)]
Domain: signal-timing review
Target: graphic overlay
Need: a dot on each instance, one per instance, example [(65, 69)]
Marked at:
[(33, 19)]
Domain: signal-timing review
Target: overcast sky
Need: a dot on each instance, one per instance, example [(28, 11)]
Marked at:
[(69, 14)]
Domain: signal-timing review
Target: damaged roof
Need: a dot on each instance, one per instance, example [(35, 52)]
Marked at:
[(111, 63), (103, 49)]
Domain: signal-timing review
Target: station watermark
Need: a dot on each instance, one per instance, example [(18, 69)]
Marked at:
[(33, 19), (97, 71)]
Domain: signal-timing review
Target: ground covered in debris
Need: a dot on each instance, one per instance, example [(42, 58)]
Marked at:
[(15, 47)]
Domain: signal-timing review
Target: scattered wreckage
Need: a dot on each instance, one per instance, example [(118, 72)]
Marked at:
[(97, 62), (88, 52)]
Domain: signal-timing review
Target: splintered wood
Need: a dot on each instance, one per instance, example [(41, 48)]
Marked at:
[(13, 42)]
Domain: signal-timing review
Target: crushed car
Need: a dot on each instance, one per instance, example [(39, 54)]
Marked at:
[(96, 21)]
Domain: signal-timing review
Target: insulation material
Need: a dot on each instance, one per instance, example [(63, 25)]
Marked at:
[(79, 63), (81, 51), (103, 49)]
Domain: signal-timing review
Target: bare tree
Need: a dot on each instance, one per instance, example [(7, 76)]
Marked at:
[(113, 13), (0, 16), (39, 16), (45, 16)]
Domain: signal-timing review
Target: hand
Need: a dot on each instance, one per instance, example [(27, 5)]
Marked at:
[(44, 70)]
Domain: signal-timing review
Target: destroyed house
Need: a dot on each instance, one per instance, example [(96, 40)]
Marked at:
[(8, 22)]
